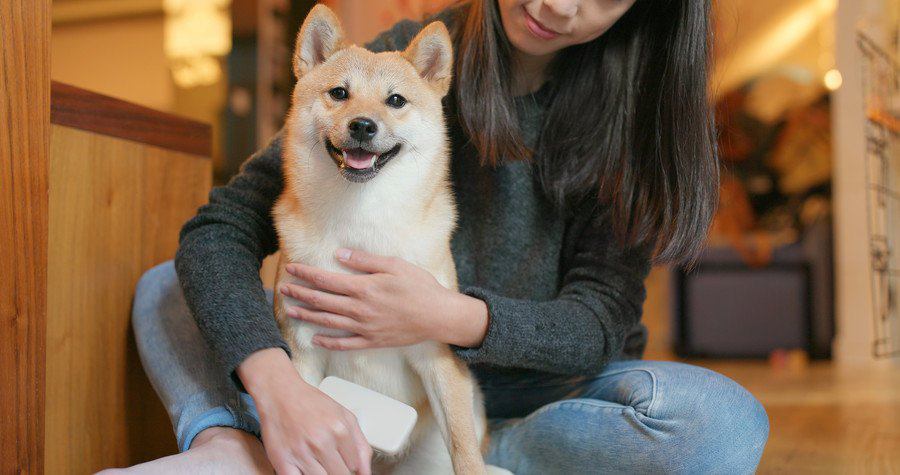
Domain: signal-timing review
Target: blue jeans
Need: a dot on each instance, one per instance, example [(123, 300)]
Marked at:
[(635, 417)]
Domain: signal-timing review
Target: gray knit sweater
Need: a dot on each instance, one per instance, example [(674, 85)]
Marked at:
[(563, 298)]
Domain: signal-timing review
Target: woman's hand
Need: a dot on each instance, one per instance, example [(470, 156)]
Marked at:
[(394, 303), (304, 430)]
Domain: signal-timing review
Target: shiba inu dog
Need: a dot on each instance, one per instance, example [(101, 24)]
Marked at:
[(366, 165)]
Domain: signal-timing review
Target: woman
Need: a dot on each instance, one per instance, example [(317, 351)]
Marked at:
[(583, 150)]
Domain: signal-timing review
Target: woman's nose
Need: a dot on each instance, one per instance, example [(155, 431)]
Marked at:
[(563, 8)]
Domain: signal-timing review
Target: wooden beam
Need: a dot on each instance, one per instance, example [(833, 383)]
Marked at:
[(24, 151), (82, 109)]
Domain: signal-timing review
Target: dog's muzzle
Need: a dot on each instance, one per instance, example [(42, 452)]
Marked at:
[(350, 161)]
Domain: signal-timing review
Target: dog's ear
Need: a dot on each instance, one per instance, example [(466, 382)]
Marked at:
[(320, 36), (431, 53)]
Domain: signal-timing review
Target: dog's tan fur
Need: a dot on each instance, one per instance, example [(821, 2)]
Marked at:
[(407, 211)]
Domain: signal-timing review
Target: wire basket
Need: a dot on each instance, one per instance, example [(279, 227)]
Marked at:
[(882, 129)]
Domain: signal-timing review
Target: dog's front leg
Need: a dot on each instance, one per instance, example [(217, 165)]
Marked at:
[(450, 392), (308, 360)]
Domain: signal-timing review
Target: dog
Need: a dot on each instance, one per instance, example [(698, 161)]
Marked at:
[(367, 170)]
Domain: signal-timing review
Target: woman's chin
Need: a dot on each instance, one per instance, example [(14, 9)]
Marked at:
[(527, 44)]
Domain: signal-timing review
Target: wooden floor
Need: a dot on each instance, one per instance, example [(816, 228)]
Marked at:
[(824, 419)]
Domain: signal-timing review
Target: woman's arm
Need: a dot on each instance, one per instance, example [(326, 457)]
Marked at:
[(585, 326), (220, 253)]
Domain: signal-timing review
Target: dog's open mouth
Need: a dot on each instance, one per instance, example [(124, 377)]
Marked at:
[(358, 164)]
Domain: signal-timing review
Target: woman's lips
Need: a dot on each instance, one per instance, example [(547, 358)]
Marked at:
[(537, 29)]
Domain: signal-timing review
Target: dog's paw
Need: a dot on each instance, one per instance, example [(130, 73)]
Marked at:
[(494, 470)]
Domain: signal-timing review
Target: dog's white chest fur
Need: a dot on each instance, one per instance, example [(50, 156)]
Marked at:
[(383, 370)]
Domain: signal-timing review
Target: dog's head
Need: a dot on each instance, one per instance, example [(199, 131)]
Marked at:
[(360, 112)]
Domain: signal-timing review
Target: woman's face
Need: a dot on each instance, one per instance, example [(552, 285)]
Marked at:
[(542, 27)]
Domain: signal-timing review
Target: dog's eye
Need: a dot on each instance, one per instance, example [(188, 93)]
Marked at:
[(396, 101), (338, 93)]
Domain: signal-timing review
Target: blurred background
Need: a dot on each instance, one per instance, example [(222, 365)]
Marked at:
[(796, 296)]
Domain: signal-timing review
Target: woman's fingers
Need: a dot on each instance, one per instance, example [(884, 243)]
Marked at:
[(288, 468), (311, 466), (342, 343), (363, 450), (317, 299), (357, 461), (334, 282), (330, 459), (366, 262), (324, 319)]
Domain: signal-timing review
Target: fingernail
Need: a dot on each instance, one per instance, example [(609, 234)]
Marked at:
[(290, 269), (293, 313), (284, 290), (343, 254)]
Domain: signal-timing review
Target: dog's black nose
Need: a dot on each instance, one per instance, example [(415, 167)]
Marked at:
[(362, 128)]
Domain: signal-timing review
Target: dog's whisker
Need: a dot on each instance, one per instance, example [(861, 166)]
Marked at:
[(415, 150), (317, 143)]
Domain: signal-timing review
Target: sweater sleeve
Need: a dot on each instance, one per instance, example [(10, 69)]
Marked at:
[(220, 253), (581, 330), (221, 248)]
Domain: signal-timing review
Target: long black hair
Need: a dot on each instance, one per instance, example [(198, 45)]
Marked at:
[(629, 120)]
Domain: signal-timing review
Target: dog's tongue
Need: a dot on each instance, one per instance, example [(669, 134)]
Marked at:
[(358, 159)]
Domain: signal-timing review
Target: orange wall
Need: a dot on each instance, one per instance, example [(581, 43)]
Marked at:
[(122, 57)]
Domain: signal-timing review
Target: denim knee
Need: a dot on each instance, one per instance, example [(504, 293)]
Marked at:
[(749, 418), (159, 276), (157, 285), (725, 426), (193, 388), (660, 418)]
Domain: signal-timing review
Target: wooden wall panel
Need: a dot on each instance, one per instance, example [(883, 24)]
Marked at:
[(24, 139), (116, 207)]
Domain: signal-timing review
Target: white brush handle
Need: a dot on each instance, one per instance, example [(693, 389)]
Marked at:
[(385, 422)]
